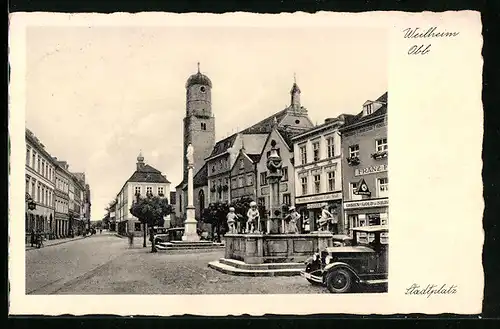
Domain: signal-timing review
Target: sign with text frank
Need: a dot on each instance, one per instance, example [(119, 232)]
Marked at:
[(370, 170)]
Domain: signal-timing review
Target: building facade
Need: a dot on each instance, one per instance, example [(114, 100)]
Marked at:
[(287, 184), (40, 184), (244, 175), (62, 203), (144, 180), (364, 166), (78, 225), (317, 172)]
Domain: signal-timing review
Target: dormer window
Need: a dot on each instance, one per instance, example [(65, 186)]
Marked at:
[(368, 108)]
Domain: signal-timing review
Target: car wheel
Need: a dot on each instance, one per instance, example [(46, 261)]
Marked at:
[(339, 281)]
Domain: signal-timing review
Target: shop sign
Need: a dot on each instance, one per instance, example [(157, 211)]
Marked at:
[(316, 205), (362, 189), (370, 170), (319, 198), (366, 204)]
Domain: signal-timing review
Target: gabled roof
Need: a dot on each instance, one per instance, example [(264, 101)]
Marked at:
[(265, 126), (287, 136), (359, 118), (148, 174), (222, 145), (254, 157)]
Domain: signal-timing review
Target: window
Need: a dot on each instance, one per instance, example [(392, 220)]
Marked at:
[(203, 126), (27, 185), (149, 190), (316, 151), (137, 226), (284, 170), (47, 197), (234, 183), (28, 152), (317, 183), (160, 190), (373, 219), (303, 154), (352, 221), (33, 160), (303, 183), (287, 199), (38, 164), (242, 164), (354, 151), (263, 178), (240, 181), (331, 181), (369, 109), (353, 188), (33, 189), (383, 186), (43, 168), (213, 169), (330, 148), (381, 144), (249, 179), (38, 198)]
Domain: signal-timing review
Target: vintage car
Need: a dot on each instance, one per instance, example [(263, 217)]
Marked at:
[(160, 234), (171, 234), (342, 268)]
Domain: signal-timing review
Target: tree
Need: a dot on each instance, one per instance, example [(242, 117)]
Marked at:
[(215, 214), (150, 211)]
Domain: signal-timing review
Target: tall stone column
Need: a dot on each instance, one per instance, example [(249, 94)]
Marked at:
[(190, 232), (274, 165)]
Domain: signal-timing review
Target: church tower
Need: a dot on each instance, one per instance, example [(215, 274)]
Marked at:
[(199, 122)]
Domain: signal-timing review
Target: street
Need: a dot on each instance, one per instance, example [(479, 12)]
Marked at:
[(104, 264)]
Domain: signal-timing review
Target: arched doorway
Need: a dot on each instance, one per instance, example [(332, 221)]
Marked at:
[(201, 201)]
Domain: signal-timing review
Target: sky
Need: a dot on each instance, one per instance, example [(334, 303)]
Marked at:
[(97, 96)]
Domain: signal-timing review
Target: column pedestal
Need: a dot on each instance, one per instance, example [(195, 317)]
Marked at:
[(190, 229)]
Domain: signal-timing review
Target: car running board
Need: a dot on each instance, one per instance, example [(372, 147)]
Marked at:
[(380, 281)]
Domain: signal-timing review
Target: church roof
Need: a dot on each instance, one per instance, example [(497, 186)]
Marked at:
[(263, 127), (148, 174), (201, 177), (360, 118)]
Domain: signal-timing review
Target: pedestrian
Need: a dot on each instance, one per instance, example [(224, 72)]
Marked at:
[(100, 231), (32, 237), (292, 219), (131, 240)]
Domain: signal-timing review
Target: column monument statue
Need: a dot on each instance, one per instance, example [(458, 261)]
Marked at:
[(190, 230), (274, 166)]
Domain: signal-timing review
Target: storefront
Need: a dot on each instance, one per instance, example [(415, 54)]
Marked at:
[(366, 212), (310, 208)]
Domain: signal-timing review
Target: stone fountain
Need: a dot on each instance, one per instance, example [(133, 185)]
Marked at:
[(273, 251)]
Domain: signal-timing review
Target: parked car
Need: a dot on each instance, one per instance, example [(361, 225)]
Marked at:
[(171, 234), (341, 268)]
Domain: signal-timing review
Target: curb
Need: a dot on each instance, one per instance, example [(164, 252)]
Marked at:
[(54, 244)]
